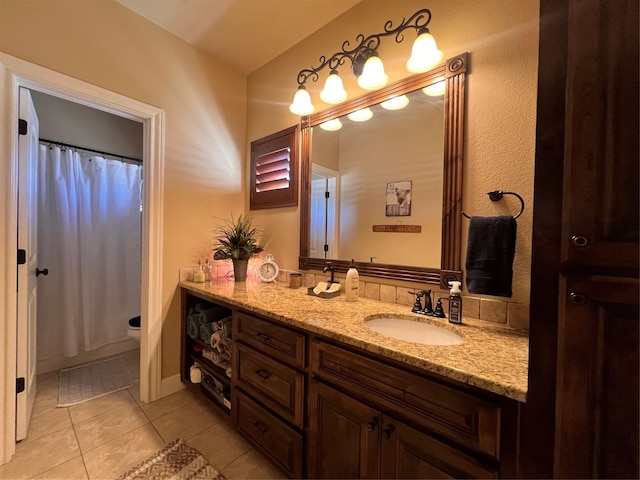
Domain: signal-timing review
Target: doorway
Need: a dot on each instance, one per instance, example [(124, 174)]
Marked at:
[(18, 73)]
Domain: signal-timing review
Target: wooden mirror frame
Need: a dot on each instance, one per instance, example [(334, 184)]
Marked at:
[(454, 73)]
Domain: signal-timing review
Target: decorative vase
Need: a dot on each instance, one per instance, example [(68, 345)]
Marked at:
[(240, 270)]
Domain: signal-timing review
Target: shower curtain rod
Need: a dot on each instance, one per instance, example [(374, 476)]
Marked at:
[(78, 147)]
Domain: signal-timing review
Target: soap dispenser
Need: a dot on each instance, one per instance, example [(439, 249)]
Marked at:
[(455, 303), (352, 283), (198, 273)]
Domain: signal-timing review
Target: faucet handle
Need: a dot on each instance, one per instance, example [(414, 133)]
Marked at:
[(417, 306)]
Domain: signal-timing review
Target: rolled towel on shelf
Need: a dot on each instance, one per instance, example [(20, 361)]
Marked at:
[(213, 314), (216, 357), (215, 339), (193, 326), (228, 372), (224, 347), (205, 332), (490, 250)]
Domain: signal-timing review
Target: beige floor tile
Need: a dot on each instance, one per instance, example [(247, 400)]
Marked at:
[(98, 406), (109, 425), (187, 421), (71, 470), (34, 457), (46, 392), (135, 392), (46, 421), (251, 465), (119, 455), (170, 403), (132, 359), (220, 444)]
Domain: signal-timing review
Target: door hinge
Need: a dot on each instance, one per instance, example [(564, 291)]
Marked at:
[(326, 248), (22, 127), (326, 194), (22, 256), (19, 384)]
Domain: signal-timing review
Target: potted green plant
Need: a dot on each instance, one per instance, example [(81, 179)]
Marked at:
[(236, 241)]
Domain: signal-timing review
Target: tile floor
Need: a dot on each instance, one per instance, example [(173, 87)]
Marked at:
[(103, 438)]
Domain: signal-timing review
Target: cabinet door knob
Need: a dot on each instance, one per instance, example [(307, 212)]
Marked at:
[(579, 240), (371, 426), (263, 373), (577, 298)]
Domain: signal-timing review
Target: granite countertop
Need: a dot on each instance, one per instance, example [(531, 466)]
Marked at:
[(493, 357)]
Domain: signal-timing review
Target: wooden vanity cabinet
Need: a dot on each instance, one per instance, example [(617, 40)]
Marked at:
[(268, 388), (369, 419)]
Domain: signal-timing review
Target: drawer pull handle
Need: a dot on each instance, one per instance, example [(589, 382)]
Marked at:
[(263, 373), (261, 426), (263, 336), (388, 431)]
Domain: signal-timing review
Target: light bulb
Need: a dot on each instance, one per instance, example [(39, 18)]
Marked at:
[(436, 89), (424, 54), (302, 102), (361, 115), (395, 103), (373, 75), (333, 91), (331, 125)]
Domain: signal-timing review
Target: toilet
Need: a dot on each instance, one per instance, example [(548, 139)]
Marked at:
[(134, 328)]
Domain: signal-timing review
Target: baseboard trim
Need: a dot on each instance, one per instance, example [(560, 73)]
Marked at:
[(171, 385)]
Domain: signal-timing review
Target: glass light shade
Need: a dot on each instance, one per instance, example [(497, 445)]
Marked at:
[(424, 54), (373, 75), (436, 89), (395, 103), (333, 91), (331, 125), (361, 115), (302, 102)]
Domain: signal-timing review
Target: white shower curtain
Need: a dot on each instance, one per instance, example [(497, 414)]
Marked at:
[(89, 219)]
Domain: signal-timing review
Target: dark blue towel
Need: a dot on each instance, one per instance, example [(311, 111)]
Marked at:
[(490, 250)]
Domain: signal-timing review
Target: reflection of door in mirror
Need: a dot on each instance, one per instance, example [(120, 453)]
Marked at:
[(324, 212)]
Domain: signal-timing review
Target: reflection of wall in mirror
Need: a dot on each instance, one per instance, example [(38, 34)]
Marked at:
[(374, 153)]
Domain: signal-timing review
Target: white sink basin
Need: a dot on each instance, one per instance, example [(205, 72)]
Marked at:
[(413, 331)]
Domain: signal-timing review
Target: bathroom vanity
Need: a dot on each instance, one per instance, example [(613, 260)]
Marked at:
[(324, 396)]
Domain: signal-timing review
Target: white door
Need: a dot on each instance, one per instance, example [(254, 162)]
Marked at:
[(27, 277), (323, 234)]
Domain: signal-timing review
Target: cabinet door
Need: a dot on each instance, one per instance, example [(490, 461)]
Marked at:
[(597, 420), (343, 436), (410, 453)]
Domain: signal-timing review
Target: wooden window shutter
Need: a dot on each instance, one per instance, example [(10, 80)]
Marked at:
[(274, 170)]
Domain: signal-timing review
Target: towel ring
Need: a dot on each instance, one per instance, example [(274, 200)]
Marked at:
[(495, 196)]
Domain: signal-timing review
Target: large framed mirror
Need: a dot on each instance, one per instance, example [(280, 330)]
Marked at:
[(394, 181)]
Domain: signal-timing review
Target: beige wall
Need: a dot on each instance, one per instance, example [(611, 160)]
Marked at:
[(105, 44), (502, 37)]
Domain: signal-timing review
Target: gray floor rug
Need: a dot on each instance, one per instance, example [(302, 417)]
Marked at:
[(92, 380), (176, 461)]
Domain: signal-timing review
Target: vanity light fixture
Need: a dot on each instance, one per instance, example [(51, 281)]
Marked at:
[(366, 64), (395, 103), (361, 115), (436, 89)]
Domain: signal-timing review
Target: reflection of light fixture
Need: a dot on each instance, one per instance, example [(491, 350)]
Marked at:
[(424, 56), (302, 102), (436, 89), (331, 125), (333, 91), (395, 103), (361, 115)]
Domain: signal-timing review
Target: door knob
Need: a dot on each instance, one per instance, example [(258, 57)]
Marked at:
[(44, 272)]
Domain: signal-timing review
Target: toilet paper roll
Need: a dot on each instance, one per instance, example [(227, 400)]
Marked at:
[(195, 375)]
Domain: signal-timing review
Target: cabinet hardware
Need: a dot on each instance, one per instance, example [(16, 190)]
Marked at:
[(577, 298), (371, 426), (44, 272), (263, 373), (263, 336), (388, 431), (579, 241), (261, 426)]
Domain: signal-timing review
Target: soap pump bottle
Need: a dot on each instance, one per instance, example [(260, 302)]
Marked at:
[(352, 283), (198, 273), (455, 303)]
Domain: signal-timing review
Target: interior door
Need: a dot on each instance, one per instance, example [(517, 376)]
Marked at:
[(27, 276)]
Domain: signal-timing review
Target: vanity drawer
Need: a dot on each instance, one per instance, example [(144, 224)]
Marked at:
[(279, 441), (455, 413), (277, 386), (272, 339)]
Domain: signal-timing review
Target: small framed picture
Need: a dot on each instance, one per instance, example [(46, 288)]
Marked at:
[(398, 202)]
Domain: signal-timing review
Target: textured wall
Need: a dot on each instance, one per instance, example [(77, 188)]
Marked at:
[(502, 38)]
